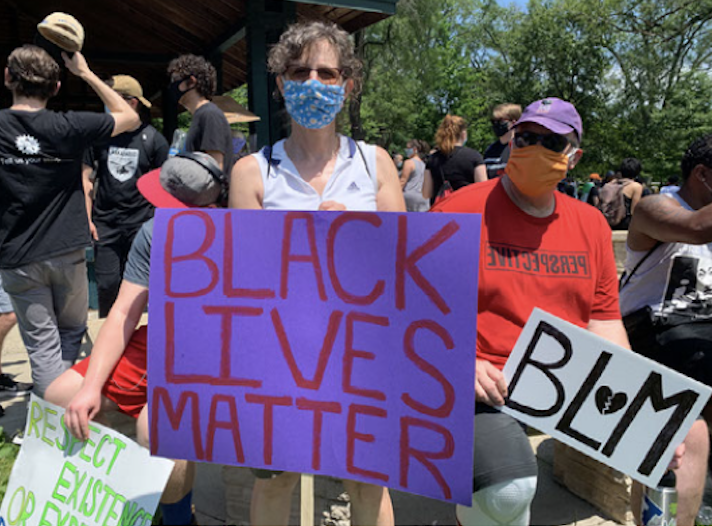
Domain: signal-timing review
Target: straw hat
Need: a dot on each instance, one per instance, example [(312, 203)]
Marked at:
[(233, 111)]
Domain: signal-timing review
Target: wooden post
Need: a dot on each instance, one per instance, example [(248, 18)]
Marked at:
[(266, 20), (307, 500)]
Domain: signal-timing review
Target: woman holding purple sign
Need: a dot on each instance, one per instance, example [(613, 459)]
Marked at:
[(316, 168)]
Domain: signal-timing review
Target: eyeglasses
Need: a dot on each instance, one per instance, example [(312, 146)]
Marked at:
[(552, 141), (325, 75)]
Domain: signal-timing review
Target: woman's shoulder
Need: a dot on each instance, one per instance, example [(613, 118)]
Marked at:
[(472, 153)]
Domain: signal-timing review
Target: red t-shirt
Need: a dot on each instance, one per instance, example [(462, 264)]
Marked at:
[(563, 264)]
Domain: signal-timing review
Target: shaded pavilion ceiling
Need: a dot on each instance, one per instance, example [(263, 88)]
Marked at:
[(140, 37)]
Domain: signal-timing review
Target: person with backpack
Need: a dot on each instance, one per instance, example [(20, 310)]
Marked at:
[(453, 165), (118, 209), (666, 300), (619, 197)]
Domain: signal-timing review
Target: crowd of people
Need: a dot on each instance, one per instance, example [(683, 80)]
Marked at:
[(50, 211)]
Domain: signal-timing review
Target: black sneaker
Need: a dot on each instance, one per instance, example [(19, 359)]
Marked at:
[(8, 385)]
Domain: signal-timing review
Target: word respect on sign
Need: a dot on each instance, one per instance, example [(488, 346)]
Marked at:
[(330, 343), (59, 480)]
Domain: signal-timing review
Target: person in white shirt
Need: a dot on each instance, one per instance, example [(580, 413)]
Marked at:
[(316, 168)]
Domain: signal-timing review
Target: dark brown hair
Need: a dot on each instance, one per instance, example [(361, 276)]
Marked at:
[(198, 67), (33, 73)]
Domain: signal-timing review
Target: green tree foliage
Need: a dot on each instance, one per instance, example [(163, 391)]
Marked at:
[(637, 71)]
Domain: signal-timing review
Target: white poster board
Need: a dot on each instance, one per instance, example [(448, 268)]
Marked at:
[(601, 399), (58, 480)]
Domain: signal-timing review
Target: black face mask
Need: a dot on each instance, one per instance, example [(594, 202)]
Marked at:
[(500, 127), (174, 91)]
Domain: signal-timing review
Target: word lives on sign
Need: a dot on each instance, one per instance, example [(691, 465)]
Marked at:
[(317, 342), (57, 479), (601, 399)]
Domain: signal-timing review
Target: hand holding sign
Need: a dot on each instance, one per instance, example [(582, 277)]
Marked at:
[(606, 401), (84, 407), (490, 385), (59, 480)]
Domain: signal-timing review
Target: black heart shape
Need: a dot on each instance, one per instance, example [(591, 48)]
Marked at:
[(608, 403)]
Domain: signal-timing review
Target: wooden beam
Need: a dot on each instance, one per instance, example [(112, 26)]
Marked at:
[(130, 58), (228, 39), (378, 6)]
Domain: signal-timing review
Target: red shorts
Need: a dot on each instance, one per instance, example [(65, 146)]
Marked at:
[(127, 385)]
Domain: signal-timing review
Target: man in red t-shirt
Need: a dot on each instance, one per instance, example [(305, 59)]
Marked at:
[(539, 248)]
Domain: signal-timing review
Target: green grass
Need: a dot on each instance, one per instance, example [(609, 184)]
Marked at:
[(8, 454)]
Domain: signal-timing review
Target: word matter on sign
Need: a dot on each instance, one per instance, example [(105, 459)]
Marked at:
[(599, 398)]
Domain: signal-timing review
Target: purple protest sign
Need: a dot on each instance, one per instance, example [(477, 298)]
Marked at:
[(340, 344)]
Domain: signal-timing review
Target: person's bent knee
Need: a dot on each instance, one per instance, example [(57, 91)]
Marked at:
[(285, 481), (506, 503), (363, 491), (63, 388)]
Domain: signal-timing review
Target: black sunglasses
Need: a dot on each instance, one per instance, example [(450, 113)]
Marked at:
[(552, 141)]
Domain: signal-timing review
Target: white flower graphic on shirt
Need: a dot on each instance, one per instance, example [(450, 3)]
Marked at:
[(27, 144)]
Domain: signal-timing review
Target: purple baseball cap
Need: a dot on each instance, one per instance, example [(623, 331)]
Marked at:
[(554, 114)]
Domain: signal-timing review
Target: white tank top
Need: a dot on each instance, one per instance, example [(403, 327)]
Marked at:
[(353, 182), (676, 280)]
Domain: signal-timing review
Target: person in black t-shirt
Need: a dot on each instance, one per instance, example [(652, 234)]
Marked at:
[(193, 83), (119, 209), (453, 161), (43, 221), (504, 117)]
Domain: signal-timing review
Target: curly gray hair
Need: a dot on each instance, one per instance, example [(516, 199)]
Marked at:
[(300, 36)]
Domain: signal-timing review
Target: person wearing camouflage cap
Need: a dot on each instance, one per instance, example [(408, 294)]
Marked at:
[(115, 207)]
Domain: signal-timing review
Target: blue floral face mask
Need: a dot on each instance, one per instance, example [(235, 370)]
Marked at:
[(312, 104)]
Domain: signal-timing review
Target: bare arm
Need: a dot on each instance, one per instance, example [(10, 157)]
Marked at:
[(661, 218), (218, 156), (125, 118), (408, 168), (88, 187), (427, 185), (480, 173), (108, 349), (390, 194), (611, 330), (635, 198), (246, 188)]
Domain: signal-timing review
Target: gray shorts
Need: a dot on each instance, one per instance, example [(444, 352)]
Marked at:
[(5, 303), (502, 450)]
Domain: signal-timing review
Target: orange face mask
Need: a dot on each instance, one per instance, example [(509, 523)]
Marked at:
[(535, 170)]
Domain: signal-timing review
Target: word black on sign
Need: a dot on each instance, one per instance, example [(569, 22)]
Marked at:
[(601, 399)]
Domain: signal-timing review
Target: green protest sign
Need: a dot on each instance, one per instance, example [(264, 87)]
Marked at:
[(109, 480)]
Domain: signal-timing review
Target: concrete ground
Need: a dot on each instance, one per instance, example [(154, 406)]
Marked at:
[(553, 504)]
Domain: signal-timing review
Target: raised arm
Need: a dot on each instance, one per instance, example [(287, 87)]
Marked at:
[(660, 218), (125, 118)]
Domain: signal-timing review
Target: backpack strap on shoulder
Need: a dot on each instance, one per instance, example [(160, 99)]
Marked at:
[(625, 278)]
